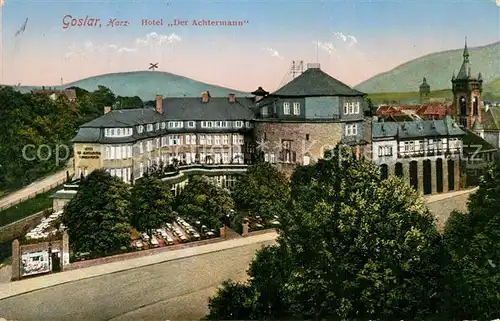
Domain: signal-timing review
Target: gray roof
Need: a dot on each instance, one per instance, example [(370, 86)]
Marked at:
[(315, 82), (415, 129), (181, 109)]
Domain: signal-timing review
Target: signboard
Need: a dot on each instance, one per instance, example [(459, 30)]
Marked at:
[(89, 153), (35, 263)]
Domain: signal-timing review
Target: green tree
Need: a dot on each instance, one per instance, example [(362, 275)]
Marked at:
[(102, 97), (263, 191), (98, 217), (351, 246), (129, 102), (204, 201), (151, 204), (370, 108), (472, 240)]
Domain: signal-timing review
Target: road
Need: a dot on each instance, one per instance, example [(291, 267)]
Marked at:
[(32, 189), (174, 290)]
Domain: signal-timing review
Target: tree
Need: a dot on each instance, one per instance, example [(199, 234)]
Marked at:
[(370, 108), (98, 217), (151, 204), (351, 246), (129, 102), (472, 240), (263, 191), (204, 201)]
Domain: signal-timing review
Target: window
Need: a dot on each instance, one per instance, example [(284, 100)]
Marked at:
[(384, 151), (296, 108), (235, 139), (209, 140), (157, 126), (141, 147), (247, 124), (238, 158), (193, 139), (148, 146), (202, 139), (206, 124), (118, 152), (108, 152), (141, 169), (351, 129), (191, 124), (188, 140), (225, 140), (163, 125), (307, 136), (346, 108), (118, 132), (124, 152), (218, 124), (356, 107), (164, 141), (351, 108), (225, 157), (129, 151), (157, 142), (431, 146), (174, 140), (112, 131), (286, 108), (241, 140), (264, 111), (287, 155), (238, 124), (272, 158), (149, 127), (140, 129), (217, 140), (113, 172)]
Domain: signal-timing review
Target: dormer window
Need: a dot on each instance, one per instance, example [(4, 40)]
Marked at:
[(238, 124), (264, 111), (140, 129), (191, 124), (296, 108), (157, 126), (149, 127), (163, 125)]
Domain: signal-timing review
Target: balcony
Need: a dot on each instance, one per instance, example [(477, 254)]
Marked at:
[(429, 153)]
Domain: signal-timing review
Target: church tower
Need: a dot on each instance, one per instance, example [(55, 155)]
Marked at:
[(467, 99), (425, 90)]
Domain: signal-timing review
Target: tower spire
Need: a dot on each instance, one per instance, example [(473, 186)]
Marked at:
[(466, 51)]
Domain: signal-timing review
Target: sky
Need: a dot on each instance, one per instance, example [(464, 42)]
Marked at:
[(353, 40)]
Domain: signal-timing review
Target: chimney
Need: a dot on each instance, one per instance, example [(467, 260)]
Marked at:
[(107, 109), (205, 96), (231, 98), (159, 104)]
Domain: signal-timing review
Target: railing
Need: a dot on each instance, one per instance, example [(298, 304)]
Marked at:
[(201, 167), (32, 195), (423, 153)]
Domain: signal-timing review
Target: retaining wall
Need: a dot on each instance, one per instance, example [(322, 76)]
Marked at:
[(442, 205), (15, 229)]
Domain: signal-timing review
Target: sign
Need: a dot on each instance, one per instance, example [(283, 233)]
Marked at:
[(89, 153), (35, 263)]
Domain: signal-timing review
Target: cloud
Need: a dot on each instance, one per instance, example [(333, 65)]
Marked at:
[(350, 39), (273, 52), (326, 46), (157, 40), (150, 40)]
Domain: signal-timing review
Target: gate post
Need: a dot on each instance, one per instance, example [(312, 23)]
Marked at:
[(16, 268)]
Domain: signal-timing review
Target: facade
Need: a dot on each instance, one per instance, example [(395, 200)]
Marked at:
[(300, 121), (467, 100), (219, 136), (425, 153), (178, 131)]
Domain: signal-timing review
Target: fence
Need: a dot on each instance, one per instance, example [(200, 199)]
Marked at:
[(30, 196)]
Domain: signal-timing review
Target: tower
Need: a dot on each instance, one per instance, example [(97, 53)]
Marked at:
[(425, 90), (467, 90)]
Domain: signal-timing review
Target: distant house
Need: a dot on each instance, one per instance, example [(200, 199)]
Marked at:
[(54, 93)]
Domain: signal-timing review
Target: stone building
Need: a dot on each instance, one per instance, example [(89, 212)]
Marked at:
[(426, 153), (467, 100), (300, 121)]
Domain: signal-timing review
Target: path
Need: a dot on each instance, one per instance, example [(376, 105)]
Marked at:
[(172, 290), (35, 188), (442, 196)]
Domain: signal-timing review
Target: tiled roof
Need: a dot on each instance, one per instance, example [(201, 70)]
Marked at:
[(184, 108), (315, 82), (491, 119), (416, 129), (436, 109)]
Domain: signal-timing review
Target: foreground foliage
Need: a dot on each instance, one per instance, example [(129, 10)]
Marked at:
[(351, 247), (262, 191), (204, 201), (98, 216), (151, 204)]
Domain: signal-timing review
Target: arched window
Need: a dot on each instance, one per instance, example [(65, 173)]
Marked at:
[(476, 106), (463, 106)]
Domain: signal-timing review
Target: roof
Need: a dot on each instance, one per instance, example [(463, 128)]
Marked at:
[(182, 109), (315, 82), (260, 92), (433, 110), (416, 129), (473, 143), (491, 119), (476, 125)]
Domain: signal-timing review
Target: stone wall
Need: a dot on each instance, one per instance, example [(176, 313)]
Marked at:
[(442, 205), (14, 230)]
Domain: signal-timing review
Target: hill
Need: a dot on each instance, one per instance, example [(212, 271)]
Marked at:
[(491, 92), (147, 84), (438, 68)]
